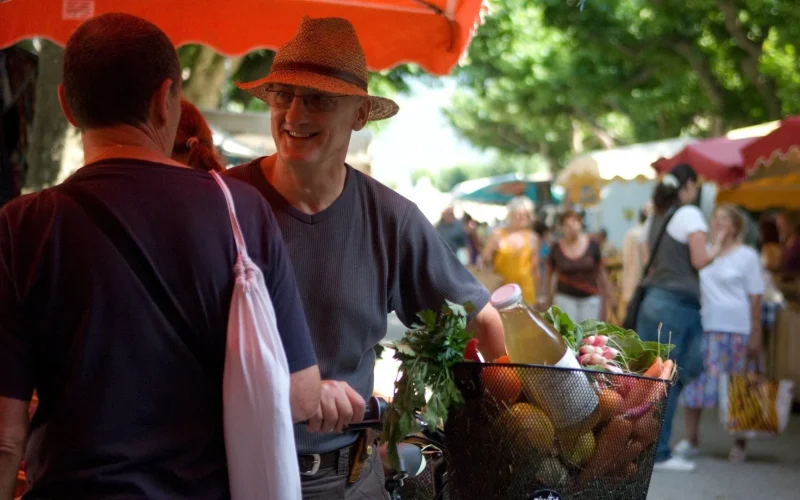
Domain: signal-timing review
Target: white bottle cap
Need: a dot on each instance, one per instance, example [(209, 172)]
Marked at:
[(506, 295)]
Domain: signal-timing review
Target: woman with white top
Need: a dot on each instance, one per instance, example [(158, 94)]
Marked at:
[(731, 288), (671, 304)]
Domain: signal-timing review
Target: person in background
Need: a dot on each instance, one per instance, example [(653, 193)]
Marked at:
[(731, 288), (359, 250), (578, 282), (789, 231), (769, 241), (671, 305), (129, 385), (633, 257), (601, 237), (513, 251), (545, 242), (474, 240), (769, 238), (452, 230), (194, 143)]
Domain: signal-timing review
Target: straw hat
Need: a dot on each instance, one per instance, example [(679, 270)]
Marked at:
[(324, 55)]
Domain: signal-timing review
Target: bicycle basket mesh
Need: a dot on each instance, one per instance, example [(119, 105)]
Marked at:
[(527, 432), (423, 486)]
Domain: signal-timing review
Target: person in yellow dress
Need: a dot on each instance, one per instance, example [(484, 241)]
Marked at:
[(513, 250)]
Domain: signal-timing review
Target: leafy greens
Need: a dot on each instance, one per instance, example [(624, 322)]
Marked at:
[(427, 354)]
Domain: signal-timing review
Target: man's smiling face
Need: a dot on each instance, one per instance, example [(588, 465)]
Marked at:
[(309, 127)]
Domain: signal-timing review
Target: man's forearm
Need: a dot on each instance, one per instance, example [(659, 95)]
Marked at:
[(9, 468)]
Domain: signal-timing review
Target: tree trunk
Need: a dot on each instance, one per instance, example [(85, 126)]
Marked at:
[(577, 137), (49, 124), (753, 50), (713, 89), (208, 78)]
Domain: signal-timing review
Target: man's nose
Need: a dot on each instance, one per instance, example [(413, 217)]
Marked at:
[(297, 111)]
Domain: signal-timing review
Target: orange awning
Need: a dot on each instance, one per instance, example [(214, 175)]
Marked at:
[(431, 33)]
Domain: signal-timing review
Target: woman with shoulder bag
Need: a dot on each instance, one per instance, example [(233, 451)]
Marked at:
[(671, 303)]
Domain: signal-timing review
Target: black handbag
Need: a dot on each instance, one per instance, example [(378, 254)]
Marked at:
[(632, 309)]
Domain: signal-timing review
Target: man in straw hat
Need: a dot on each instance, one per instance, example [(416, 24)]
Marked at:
[(128, 363), (359, 250)]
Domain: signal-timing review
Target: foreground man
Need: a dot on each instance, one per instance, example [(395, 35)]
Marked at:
[(115, 290), (359, 250)]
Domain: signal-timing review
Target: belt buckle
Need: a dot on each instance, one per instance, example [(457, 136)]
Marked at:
[(314, 467)]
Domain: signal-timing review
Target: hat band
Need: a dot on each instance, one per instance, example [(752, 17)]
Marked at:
[(321, 70)]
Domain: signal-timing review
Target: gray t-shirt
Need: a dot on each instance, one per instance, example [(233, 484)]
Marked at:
[(370, 253), (672, 266)]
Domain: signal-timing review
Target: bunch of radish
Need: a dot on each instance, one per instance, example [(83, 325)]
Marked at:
[(594, 351)]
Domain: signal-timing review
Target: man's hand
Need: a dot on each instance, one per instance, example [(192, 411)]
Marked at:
[(340, 405)]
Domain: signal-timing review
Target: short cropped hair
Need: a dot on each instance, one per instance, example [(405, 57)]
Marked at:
[(113, 64)]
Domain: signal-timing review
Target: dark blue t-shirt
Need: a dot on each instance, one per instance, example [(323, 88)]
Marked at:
[(126, 408)]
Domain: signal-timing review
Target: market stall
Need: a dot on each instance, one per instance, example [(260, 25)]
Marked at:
[(717, 160), (774, 183)]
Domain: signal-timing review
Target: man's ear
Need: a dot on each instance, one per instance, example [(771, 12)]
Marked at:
[(362, 116), (62, 99), (161, 102)]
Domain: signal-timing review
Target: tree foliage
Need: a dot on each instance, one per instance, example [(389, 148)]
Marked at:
[(546, 78)]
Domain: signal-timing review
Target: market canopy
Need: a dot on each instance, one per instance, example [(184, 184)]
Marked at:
[(500, 189), (769, 188), (717, 160), (772, 150), (774, 181), (584, 176), (431, 33)]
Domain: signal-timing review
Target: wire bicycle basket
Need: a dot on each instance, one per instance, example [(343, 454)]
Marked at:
[(519, 436)]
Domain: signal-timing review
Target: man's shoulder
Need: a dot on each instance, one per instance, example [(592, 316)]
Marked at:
[(26, 208), (242, 172), (388, 201)]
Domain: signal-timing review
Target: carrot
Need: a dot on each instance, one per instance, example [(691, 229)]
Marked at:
[(649, 391), (655, 369), (645, 430), (606, 457), (635, 449), (504, 359), (610, 404), (667, 370)]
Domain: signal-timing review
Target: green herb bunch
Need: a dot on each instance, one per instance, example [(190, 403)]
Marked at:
[(427, 354)]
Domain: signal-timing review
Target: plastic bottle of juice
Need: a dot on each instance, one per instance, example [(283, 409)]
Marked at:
[(567, 397)]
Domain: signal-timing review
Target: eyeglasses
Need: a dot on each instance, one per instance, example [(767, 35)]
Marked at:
[(280, 99)]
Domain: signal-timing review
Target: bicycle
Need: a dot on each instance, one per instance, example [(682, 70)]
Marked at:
[(421, 458)]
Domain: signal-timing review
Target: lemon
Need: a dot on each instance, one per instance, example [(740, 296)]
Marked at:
[(582, 450), (528, 426)]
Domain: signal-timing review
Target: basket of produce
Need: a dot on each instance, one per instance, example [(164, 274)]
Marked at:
[(518, 436), (582, 426)]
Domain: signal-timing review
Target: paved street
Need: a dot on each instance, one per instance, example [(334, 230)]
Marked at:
[(772, 470)]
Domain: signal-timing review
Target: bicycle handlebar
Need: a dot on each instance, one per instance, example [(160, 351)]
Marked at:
[(373, 416)]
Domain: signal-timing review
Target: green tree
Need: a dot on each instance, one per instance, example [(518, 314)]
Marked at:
[(548, 79)]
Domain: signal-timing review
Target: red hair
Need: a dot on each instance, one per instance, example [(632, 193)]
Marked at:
[(194, 137)]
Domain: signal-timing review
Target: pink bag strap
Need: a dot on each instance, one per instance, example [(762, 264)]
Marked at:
[(241, 246)]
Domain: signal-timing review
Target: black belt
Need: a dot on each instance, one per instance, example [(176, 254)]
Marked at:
[(336, 459)]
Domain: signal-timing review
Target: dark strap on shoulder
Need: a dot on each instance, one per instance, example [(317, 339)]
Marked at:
[(661, 232), (116, 233)]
